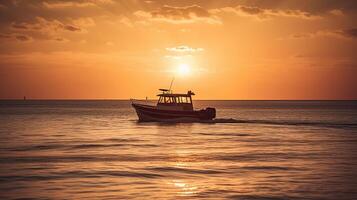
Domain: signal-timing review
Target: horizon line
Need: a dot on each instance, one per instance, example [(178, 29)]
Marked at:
[(125, 99)]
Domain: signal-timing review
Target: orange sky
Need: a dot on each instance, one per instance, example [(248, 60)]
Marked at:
[(233, 49)]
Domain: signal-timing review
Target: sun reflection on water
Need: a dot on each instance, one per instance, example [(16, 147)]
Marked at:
[(184, 188)]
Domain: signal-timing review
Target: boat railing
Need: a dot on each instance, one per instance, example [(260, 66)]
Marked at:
[(143, 101)]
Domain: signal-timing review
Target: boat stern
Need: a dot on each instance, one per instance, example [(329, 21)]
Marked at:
[(208, 113)]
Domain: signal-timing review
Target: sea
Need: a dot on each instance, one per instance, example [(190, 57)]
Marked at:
[(96, 149)]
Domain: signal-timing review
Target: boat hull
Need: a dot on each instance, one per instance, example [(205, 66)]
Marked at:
[(148, 113)]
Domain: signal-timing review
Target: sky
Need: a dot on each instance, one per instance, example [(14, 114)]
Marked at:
[(226, 49)]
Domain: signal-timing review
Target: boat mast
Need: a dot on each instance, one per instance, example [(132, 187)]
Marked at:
[(172, 81)]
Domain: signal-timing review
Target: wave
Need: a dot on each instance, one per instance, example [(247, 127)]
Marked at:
[(292, 123), (80, 174), (184, 170), (81, 158), (75, 147), (267, 122)]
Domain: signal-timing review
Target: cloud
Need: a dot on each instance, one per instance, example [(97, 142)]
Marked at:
[(71, 28), (181, 12), (349, 33), (59, 39), (263, 13), (49, 29), (184, 49), (56, 5), (27, 38), (301, 35), (179, 15), (337, 12), (15, 37), (126, 21), (23, 38), (341, 33), (314, 7), (52, 26), (83, 22), (74, 4), (181, 52)]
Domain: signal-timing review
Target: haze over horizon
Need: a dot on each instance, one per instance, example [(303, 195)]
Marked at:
[(242, 49)]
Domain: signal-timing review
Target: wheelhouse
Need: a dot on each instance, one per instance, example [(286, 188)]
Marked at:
[(168, 100)]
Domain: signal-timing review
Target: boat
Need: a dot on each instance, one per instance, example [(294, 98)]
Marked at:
[(172, 107)]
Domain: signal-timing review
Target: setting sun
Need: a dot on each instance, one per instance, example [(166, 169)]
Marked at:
[(184, 69)]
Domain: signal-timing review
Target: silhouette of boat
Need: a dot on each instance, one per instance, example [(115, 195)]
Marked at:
[(172, 107)]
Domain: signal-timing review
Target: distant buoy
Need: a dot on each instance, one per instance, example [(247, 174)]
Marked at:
[(24, 98)]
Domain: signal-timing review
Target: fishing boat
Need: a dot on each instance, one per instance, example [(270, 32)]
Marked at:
[(172, 107)]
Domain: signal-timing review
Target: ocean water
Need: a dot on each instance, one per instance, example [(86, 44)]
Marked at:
[(254, 150)]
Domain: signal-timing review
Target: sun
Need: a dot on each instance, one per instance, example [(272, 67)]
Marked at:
[(184, 69)]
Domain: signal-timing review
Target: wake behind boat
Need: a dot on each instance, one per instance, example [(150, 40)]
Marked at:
[(172, 107)]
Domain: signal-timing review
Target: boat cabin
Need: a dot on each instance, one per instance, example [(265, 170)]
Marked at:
[(171, 101)]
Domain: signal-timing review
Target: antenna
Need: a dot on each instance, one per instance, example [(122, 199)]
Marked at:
[(172, 81)]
